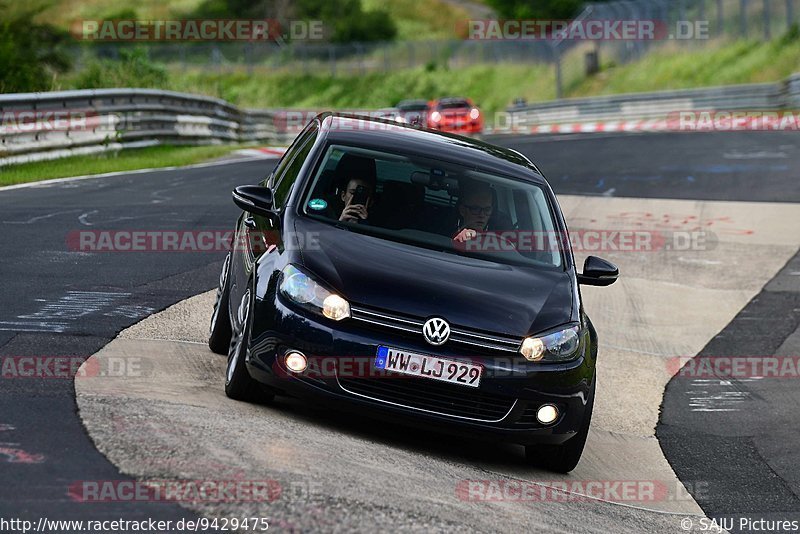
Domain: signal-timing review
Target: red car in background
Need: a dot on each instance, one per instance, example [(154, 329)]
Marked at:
[(456, 115)]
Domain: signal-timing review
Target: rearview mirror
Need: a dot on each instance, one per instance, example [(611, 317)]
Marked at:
[(598, 272), (436, 181), (255, 199)]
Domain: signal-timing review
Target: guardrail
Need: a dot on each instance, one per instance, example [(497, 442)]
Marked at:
[(661, 105), (793, 91), (43, 126)]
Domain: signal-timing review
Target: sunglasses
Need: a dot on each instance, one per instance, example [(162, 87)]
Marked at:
[(479, 210)]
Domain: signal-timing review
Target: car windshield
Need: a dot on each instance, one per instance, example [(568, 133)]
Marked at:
[(454, 104), (434, 204)]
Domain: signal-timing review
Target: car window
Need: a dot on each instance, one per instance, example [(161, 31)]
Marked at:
[(291, 171), (454, 104), (287, 157), (413, 107), (428, 202)]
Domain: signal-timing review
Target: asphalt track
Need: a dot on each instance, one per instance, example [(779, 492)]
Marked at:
[(61, 302), (753, 166), (53, 313)]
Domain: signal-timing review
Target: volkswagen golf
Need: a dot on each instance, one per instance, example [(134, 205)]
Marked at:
[(418, 276)]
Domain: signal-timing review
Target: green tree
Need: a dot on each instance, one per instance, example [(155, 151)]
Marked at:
[(343, 20), (31, 53), (537, 9)]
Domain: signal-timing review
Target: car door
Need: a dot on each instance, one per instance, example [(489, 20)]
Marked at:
[(257, 235)]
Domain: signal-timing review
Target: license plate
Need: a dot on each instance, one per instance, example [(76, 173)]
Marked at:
[(411, 363)]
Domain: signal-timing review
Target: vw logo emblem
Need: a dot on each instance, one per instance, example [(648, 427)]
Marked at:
[(436, 331)]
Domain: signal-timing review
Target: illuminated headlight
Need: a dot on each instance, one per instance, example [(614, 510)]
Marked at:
[(335, 307), (474, 113), (436, 116), (561, 346), (532, 348), (399, 119), (301, 289)]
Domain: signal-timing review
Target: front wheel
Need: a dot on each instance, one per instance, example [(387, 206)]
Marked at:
[(219, 337), (564, 457), (239, 385)]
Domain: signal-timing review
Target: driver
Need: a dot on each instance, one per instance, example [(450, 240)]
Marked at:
[(356, 180), (358, 197)]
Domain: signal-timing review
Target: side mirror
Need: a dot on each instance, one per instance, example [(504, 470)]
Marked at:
[(254, 199), (598, 272)]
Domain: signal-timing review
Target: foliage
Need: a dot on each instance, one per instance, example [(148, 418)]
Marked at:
[(31, 53), (132, 69), (344, 20), (539, 9)]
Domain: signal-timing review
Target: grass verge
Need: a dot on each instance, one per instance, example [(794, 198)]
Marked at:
[(492, 87), (124, 160), (495, 86)]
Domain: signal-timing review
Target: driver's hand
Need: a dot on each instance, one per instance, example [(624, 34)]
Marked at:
[(465, 235), (353, 213)]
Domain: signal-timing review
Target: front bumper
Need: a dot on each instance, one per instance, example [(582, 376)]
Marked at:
[(341, 370)]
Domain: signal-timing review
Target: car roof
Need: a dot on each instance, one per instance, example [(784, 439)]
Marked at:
[(387, 134)]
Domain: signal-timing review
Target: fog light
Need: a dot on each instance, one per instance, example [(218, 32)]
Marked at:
[(296, 361), (546, 414)]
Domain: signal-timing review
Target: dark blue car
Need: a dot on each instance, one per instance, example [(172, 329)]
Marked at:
[(416, 275)]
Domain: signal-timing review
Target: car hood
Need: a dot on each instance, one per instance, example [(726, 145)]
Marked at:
[(468, 292)]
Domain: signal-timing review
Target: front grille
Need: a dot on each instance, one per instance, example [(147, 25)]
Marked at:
[(431, 396), (412, 326)]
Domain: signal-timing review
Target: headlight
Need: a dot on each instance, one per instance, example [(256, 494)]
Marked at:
[(301, 289), (561, 346), (436, 116), (474, 113)]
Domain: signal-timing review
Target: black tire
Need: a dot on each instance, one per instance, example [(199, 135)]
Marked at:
[(564, 457), (239, 385), (219, 338)]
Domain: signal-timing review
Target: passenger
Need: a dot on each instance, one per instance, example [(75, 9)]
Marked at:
[(474, 210)]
